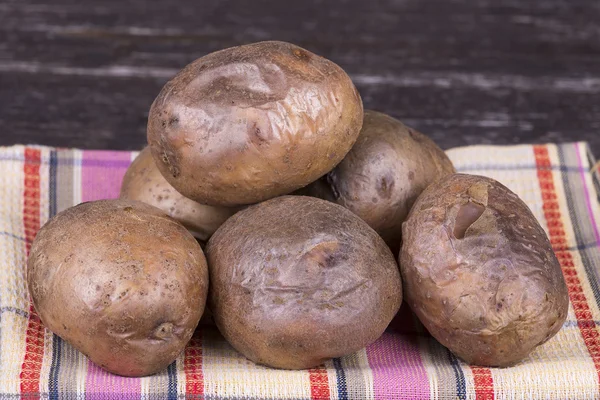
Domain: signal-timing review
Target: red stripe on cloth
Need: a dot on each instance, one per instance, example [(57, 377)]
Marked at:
[(484, 383), (319, 383), (34, 340), (585, 320), (192, 366)]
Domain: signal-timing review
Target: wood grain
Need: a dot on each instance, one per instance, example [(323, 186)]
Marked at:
[(84, 73)]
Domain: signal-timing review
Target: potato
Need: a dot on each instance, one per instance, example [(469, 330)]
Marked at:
[(479, 271), (121, 281), (388, 167), (296, 281), (249, 123), (144, 182)]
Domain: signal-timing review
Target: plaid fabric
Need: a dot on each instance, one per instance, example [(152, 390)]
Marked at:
[(554, 180)]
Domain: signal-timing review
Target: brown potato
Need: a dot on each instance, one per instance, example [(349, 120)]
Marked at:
[(252, 122), (296, 281), (121, 281), (144, 182), (479, 271), (388, 167)]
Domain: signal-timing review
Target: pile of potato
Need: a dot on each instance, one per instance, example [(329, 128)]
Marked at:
[(310, 211)]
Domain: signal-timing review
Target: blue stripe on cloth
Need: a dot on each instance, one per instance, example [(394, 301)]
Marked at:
[(341, 379), (172, 373), (596, 186), (56, 341), (14, 310), (570, 324), (590, 157), (64, 160), (13, 157), (572, 248), (497, 167), (120, 164), (52, 185), (54, 368), (461, 386), (578, 215), (13, 236), (581, 247), (578, 247), (596, 181)]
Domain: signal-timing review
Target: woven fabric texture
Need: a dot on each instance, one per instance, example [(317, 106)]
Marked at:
[(558, 182)]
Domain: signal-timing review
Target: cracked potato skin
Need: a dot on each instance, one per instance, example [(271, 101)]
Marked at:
[(297, 280), (121, 281), (479, 271), (252, 122), (144, 182), (383, 174)]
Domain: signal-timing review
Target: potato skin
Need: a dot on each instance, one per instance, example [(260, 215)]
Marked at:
[(296, 281), (479, 271), (383, 174), (144, 182), (252, 122), (121, 281)]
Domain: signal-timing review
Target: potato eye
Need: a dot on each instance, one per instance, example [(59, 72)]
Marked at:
[(164, 330)]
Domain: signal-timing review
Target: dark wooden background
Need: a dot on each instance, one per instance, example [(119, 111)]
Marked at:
[(83, 73)]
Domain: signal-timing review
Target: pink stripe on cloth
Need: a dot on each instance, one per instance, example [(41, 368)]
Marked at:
[(102, 173), (587, 194), (100, 384), (397, 367)]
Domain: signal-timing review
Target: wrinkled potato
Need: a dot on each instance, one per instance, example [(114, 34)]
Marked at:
[(144, 182), (121, 281), (383, 174), (296, 281), (479, 271), (252, 122)]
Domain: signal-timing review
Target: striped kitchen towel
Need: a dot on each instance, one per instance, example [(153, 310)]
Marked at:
[(556, 181)]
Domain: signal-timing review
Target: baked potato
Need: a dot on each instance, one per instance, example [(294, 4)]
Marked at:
[(297, 280), (479, 271), (252, 122), (121, 281)]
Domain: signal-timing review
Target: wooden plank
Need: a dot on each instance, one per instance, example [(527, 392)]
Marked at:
[(375, 38), (90, 111), (83, 73)]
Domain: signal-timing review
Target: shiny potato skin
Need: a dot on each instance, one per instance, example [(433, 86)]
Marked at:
[(297, 280), (383, 174), (252, 122), (121, 281), (144, 182), (479, 271)]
